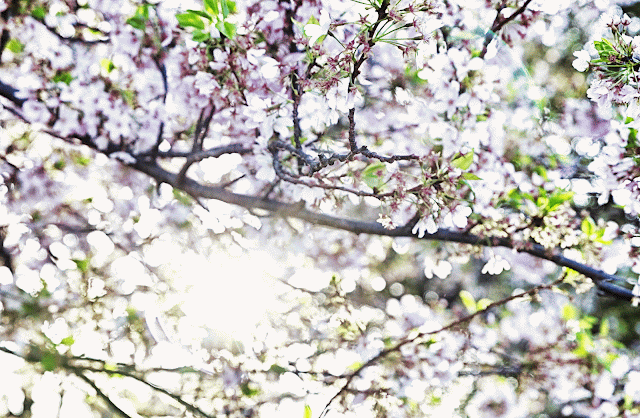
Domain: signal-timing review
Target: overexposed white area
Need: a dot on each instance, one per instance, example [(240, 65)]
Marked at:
[(231, 294)]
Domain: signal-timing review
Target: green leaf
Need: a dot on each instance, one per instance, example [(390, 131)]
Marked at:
[(307, 411), (15, 46), (63, 77), (82, 265), (107, 64), (558, 199), (182, 197), (277, 369), (247, 390), (604, 328), (373, 175), (470, 176), (200, 36), (588, 227), (463, 162), (483, 304), (468, 301), (200, 13), (59, 165), (607, 359), (38, 13), (68, 341), (355, 366), (225, 8), (137, 22), (211, 6), (228, 29), (190, 19), (569, 312), (49, 361), (605, 48)]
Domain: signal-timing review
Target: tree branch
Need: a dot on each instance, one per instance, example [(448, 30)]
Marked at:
[(101, 394), (498, 24), (451, 325), (297, 210)]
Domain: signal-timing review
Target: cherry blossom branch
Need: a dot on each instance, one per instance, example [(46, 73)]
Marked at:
[(603, 280), (122, 369), (202, 128), (420, 335), (101, 394), (499, 23)]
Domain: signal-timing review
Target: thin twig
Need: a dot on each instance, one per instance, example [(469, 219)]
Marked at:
[(423, 334), (498, 24), (101, 394)]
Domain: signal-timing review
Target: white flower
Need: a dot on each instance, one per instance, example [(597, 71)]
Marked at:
[(315, 31), (385, 221), (600, 92), (205, 83), (427, 24), (425, 224), (581, 63), (495, 265), (460, 215)]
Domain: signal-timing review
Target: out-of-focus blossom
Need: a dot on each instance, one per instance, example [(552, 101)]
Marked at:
[(581, 63), (315, 31)]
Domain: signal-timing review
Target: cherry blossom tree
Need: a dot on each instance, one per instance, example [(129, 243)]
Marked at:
[(162, 160)]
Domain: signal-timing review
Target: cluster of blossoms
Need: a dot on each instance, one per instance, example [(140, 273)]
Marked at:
[(129, 127)]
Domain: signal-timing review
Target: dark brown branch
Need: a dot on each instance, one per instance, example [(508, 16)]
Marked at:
[(498, 24), (101, 394), (202, 128), (297, 210), (234, 148)]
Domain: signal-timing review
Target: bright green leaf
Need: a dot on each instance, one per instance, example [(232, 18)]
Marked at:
[(228, 29), (355, 366), (82, 265), (200, 36), (38, 13), (200, 13), (211, 6), (225, 8), (468, 301), (307, 411), (107, 64), (470, 176), (558, 199), (190, 19), (588, 227), (569, 312), (373, 175), (463, 162), (15, 46), (483, 304), (68, 341), (604, 328)]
